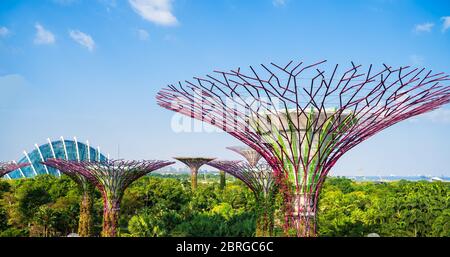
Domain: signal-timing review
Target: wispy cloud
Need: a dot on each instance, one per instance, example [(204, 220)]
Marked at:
[(43, 36), (441, 116), (424, 27), (156, 11), (64, 2), (143, 34), (82, 39), (416, 59), (4, 31), (109, 4), (446, 23), (279, 3)]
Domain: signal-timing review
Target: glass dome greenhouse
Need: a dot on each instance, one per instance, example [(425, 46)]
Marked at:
[(61, 149)]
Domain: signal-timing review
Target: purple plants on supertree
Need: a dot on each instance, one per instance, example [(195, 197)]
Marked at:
[(7, 167), (303, 118), (260, 180), (111, 178), (194, 164)]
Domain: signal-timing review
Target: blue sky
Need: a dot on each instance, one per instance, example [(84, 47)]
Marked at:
[(91, 69)]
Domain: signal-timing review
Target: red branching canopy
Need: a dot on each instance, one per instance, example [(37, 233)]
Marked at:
[(248, 153), (260, 178), (250, 104), (7, 167)]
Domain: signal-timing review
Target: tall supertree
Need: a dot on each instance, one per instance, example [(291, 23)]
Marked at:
[(303, 118), (261, 181), (112, 177), (194, 164), (85, 221), (7, 167), (251, 155)]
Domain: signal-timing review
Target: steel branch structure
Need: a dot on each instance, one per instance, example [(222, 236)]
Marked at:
[(261, 181), (69, 168), (303, 117), (248, 153), (7, 167), (194, 164), (112, 177)]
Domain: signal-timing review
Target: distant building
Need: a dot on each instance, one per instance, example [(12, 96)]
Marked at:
[(61, 149)]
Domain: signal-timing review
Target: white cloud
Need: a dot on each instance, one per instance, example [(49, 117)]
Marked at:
[(143, 34), (4, 31), (424, 27), (437, 116), (82, 39), (43, 36), (446, 23), (279, 3), (157, 11), (416, 59)]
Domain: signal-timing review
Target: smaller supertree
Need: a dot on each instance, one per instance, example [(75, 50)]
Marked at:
[(194, 164), (112, 177), (261, 181), (7, 167), (248, 153), (85, 221)]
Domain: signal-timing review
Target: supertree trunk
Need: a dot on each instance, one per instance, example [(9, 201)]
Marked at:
[(303, 217), (223, 180), (265, 216), (111, 213), (85, 222), (303, 118), (194, 178)]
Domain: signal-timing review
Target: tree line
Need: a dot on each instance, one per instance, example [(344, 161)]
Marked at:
[(159, 205)]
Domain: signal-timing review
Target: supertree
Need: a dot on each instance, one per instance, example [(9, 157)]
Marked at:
[(85, 221), (248, 153), (194, 164), (303, 118), (112, 177), (260, 180), (7, 167)]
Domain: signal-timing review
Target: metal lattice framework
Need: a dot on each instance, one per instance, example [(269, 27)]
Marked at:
[(7, 167), (112, 177), (260, 180), (69, 168), (248, 153), (302, 118), (194, 164)]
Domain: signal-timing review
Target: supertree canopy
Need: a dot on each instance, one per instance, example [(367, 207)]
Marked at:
[(194, 164), (112, 177), (248, 153), (303, 118), (85, 222), (261, 181), (7, 167)]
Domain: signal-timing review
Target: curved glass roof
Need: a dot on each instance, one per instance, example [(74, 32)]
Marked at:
[(61, 149)]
